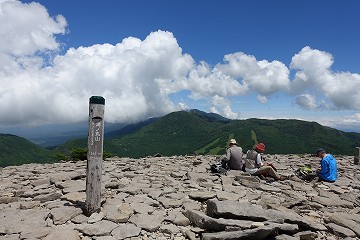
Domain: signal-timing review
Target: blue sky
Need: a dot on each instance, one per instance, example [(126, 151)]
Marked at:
[(241, 59)]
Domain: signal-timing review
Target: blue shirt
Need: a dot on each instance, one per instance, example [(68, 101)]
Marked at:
[(328, 168)]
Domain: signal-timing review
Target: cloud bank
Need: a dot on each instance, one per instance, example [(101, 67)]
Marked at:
[(136, 77)]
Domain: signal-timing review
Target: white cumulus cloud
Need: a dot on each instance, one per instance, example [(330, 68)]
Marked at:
[(27, 28), (306, 101), (125, 74), (136, 76), (340, 89), (221, 105), (262, 99), (260, 76)]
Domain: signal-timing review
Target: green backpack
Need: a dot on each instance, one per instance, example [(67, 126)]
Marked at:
[(304, 172)]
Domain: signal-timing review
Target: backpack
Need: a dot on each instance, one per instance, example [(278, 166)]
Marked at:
[(220, 167), (305, 173)]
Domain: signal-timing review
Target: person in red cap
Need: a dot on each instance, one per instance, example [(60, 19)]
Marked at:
[(254, 164)]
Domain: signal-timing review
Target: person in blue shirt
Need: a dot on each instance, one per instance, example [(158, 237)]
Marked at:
[(328, 168)]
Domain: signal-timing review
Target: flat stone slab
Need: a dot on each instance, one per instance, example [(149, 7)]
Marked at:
[(61, 215), (340, 231), (148, 222), (345, 221), (101, 228), (238, 210), (126, 231), (16, 221), (202, 195), (258, 233), (203, 221), (62, 232)]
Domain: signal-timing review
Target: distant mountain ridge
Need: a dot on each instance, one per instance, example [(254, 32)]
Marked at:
[(209, 116), (195, 132)]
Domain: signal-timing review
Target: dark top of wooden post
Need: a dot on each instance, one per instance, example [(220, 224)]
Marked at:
[(97, 100)]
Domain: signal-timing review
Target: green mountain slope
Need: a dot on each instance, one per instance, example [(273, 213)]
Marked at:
[(294, 136), (193, 132), (16, 150), (196, 132), (177, 133)]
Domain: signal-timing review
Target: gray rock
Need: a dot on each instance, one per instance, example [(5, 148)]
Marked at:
[(223, 195), (79, 219), (237, 210), (96, 217), (169, 229), (258, 233), (190, 235), (5, 200), (14, 221), (335, 201), (286, 237), (133, 190), (202, 195), (247, 180), (196, 176), (74, 197), (61, 215), (126, 231), (175, 216), (268, 188), (340, 231), (191, 205), (32, 193), (62, 232), (147, 222), (112, 185), (10, 237), (306, 235), (38, 182), (351, 197), (142, 208), (59, 177), (284, 227), (170, 203), (301, 186), (101, 228), (29, 205), (35, 233), (48, 197), (203, 221), (181, 220), (341, 220), (104, 238), (116, 211)]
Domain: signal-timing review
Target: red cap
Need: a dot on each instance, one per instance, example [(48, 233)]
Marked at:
[(260, 147)]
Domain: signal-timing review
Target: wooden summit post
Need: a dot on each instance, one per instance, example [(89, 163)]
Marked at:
[(357, 155), (94, 155)]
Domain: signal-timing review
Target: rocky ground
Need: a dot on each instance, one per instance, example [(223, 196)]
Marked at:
[(178, 198)]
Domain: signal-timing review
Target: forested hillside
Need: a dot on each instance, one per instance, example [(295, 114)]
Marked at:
[(196, 132), (16, 150), (191, 132)]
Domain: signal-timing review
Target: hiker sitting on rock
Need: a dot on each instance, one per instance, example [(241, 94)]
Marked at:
[(255, 166), (328, 169), (234, 156)]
